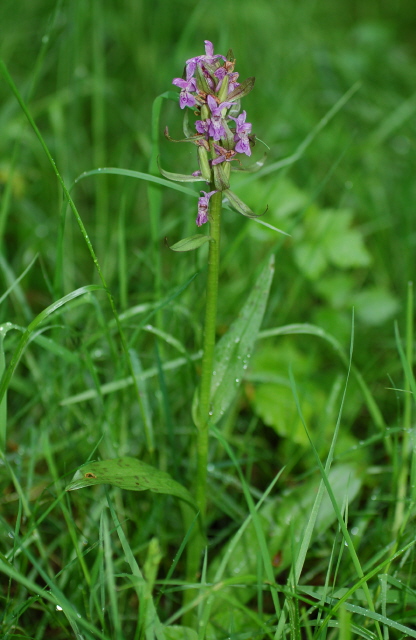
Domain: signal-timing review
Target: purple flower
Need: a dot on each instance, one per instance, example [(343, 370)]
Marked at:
[(220, 73), (242, 130), (232, 82), (202, 126), (209, 53), (225, 155), (186, 98), (216, 127), (203, 204), (209, 58)]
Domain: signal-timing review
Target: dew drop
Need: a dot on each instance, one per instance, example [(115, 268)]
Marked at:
[(237, 380)]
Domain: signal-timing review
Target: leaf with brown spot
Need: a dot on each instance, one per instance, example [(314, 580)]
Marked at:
[(136, 476)]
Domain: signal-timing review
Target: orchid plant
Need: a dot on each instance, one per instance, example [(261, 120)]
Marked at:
[(210, 88), (221, 134)]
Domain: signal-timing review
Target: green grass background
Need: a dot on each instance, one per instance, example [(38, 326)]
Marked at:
[(89, 73)]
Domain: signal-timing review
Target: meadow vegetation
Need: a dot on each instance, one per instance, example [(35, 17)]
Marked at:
[(312, 467)]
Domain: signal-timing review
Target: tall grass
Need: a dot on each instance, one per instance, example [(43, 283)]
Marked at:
[(312, 469)]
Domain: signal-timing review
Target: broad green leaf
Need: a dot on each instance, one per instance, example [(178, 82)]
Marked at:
[(271, 396), (233, 351), (191, 243), (176, 632), (328, 239), (376, 305), (131, 474)]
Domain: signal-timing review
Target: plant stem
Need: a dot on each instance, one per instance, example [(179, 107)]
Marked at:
[(196, 544), (209, 346)]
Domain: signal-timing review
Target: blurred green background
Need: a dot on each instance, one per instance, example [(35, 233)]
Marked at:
[(335, 102)]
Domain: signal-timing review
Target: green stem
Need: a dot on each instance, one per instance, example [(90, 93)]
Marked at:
[(404, 472), (208, 347), (196, 544)]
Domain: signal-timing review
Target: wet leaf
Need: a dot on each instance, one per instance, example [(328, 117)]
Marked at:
[(191, 243), (234, 349), (177, 632), (131, 474)]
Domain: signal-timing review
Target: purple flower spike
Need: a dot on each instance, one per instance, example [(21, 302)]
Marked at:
[(203, 204), (242, 130), (212, 90), (186, 98)]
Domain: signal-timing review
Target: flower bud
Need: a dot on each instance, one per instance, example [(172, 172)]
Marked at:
[(222, 94), (227, 170), (204, 163), (205, 112)]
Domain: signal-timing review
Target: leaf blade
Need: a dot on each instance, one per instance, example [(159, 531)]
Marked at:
[(234, 349), (191, 243), (131, 474)]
